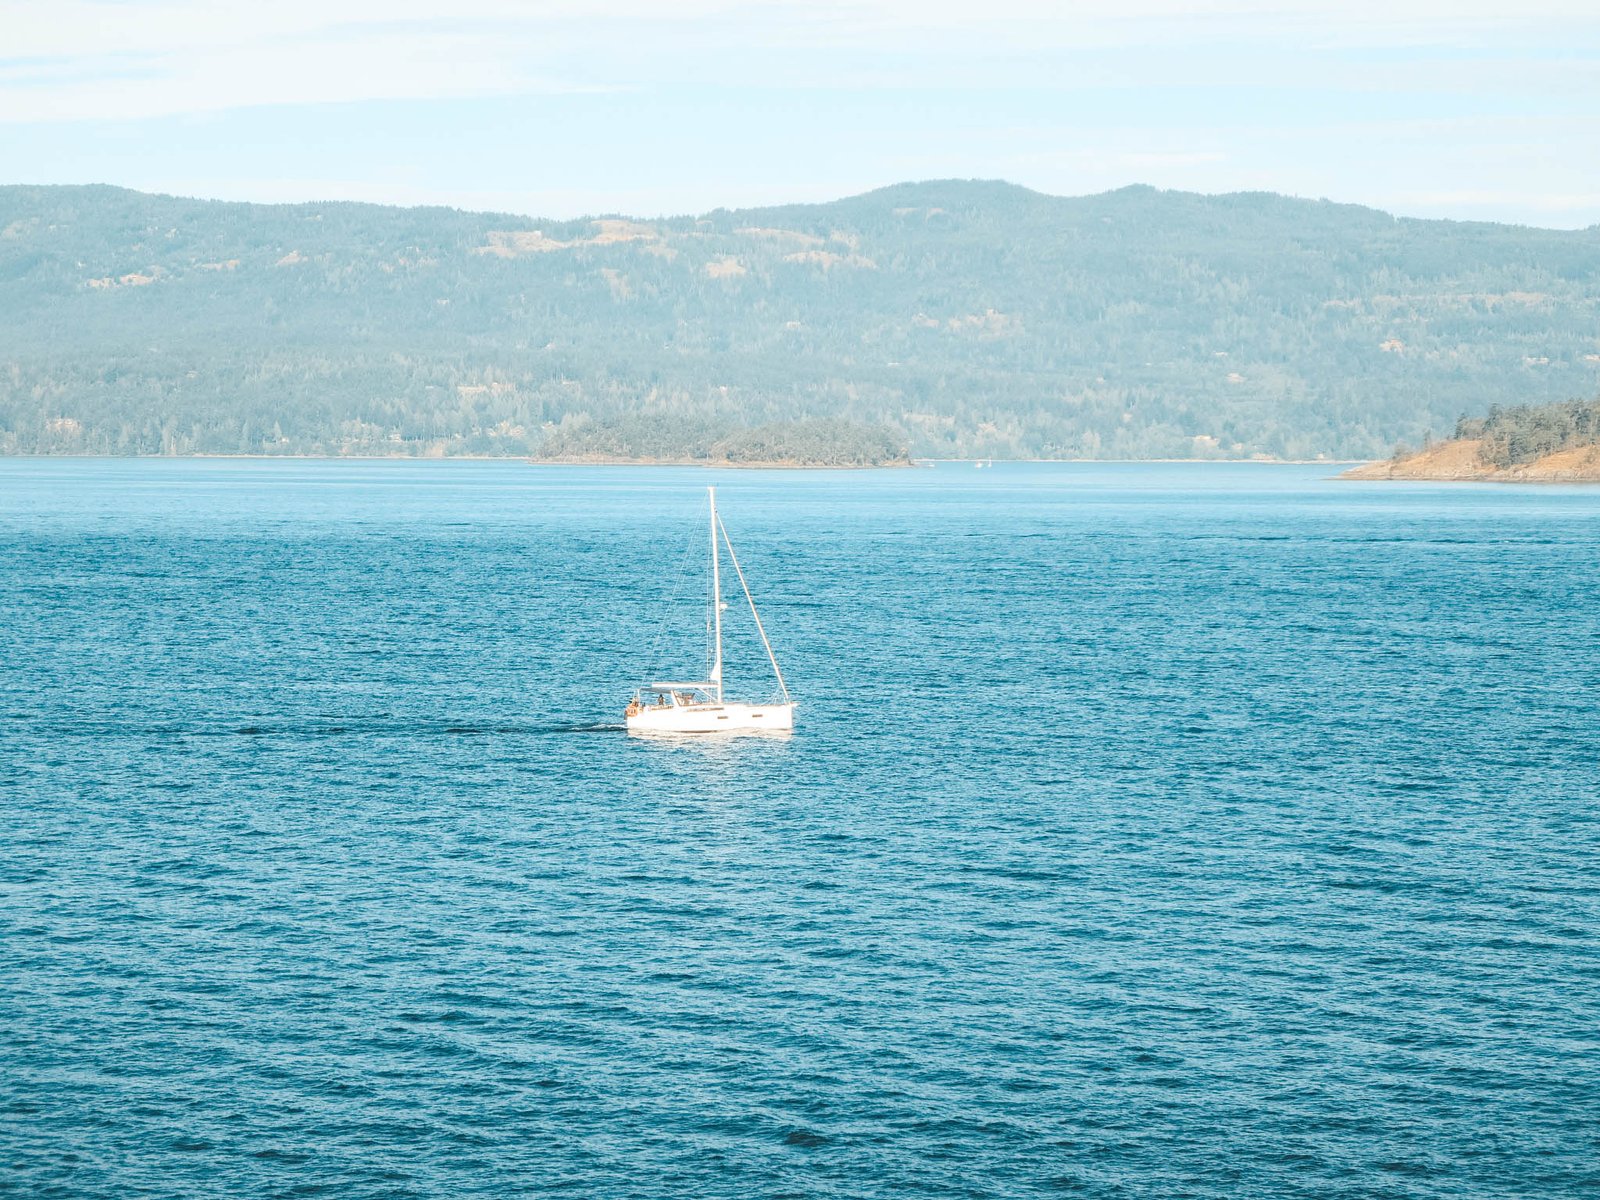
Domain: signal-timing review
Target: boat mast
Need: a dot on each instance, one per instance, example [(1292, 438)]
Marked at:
[(716, 597)]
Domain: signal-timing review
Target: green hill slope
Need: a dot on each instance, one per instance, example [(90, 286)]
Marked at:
[(958, 318)]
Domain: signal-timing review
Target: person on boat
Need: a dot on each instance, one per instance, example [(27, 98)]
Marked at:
[(634, 708)]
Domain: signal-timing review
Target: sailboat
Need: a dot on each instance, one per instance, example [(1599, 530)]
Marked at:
[(701, 707)]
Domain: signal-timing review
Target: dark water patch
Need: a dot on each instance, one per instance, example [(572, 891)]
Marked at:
[(288, 1158), (806, 1139)]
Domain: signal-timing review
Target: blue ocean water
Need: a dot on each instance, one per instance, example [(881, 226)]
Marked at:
[(1149, 831)]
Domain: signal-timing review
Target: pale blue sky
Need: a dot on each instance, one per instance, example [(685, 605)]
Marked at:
[(1466, 109)]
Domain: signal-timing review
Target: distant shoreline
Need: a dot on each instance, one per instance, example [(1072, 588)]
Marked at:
[(494, 458), (1220, 462), (693, 462)]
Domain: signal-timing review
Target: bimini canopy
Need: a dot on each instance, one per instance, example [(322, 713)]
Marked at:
[(679, 687)]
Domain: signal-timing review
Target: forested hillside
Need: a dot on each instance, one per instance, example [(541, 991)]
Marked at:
[(953, 318)]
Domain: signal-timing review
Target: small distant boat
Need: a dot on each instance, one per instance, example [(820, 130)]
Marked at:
[(700, 707)]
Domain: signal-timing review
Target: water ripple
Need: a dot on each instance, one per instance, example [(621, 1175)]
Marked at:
[(1135, 841)]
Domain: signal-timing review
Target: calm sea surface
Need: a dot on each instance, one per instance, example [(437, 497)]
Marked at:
[(1149, 831)]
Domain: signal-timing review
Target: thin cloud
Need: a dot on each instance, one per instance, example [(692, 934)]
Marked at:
[(1550, 202), (1120, 160), (390, 66), (77, 60)]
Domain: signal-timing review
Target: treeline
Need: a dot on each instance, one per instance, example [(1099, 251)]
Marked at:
[(1525, 432), (951, 319), (818, 443)]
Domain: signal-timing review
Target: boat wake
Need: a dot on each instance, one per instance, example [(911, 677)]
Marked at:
[(333, 729), (459, 729)]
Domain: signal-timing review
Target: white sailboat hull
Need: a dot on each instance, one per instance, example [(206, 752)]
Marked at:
[(714, 718)]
